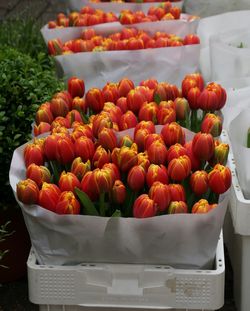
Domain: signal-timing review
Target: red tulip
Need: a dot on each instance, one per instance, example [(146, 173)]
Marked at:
[(128, 120), (203, 146), (84, 148), (65, 152), (187, 84), (124, 86), (191, 39), (179, 168), (173, 133), (110, 92), (114, 111), (79, 104), (118, 192), (33, 153), (43, 127), (144, 207), (150, 83), (59, 107), (166, 115), (177, 192), (107, 138), (199, 182), (143, 160), (152, 138), (87, 186), (68, 182), (88, 33), (60, 122), (136, 178), (177, 207), (220, 156), (113, 169), (140, 137), (101, 121), (219, 179), (122, 104), (195, 162), (102, 180), (79, 168), (126, 140), (167, 104), (125, 158), (176, 151), (182, 108), (100, 157), (208, 100), (82, 130), (48, 196), (172, 91), (67, 204), (44, 114), (148, 112), (201, 207), (193, 97), (160, 194), (156, 173), (220, 92), (157, 153), (175, 11), (73, 116), (135, 100), (55, 47), (198, 79), (27, 191), (212, 124), (94, 99), (38, 174), (76, 87)]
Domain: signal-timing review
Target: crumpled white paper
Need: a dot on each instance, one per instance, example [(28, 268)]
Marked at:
[(181, 27), (116, 7), (205, 8), (238, 138), (181, 241), (214, 28)]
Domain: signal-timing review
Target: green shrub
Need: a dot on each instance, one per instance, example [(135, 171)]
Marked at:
[(24, 85)]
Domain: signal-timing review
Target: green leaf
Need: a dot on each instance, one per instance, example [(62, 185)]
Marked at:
[(248, 138), (157, 98), (117, 213), (89, 207)]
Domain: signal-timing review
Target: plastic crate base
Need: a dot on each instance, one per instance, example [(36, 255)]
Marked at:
[(93, 287)]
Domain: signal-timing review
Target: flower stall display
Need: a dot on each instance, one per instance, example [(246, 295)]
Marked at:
[(117, 6), (195, 106), (117, 54), (149, 194), (165, 17)]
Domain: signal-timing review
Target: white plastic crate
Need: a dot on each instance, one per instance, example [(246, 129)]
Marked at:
[(127, 286), (237, 240)]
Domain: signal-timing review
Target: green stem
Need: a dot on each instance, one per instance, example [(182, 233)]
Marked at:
[(248, 138), (55, 170), (194, 120), (102, 204)]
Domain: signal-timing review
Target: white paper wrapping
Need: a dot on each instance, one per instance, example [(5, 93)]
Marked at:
[(116, 7), (238, 137), (181, 27), (183, 240), (205, 8)]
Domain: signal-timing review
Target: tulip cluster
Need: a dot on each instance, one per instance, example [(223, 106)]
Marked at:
[(92, 169), (164, 11), (132, 1), (87, 16), (126, 39), (123, 105)]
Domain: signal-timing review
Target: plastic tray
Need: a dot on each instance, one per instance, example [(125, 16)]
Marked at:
[(126, 286)]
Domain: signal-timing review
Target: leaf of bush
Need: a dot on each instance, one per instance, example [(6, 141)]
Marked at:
[(89, 207)]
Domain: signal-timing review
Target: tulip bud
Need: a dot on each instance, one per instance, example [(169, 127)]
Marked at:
[(143, 160), (182, 108), (157, 153), (198, 79), (125, 158), (212, 124), (177, 192), (151, 138), (48, 196), (55, 47), (84, 148), (136, 178), (195, 162), (201, 207), (118, 192), (27, 191), (110, 92), (199, 182), (126, 140), (73, 116), (82, 130), (65, 152), (177, 207), (79, 104), (38, 174), (175, 151), (79, 168), (33, 153), (68, 181), (87, 186), (59, 107), (140, 137), (101, 121), (124, 86), (220, 92), (208, 100), (187, 84), (76, 87), (173, 133), (43, 127), (144, 207), (100, 157), (114, 111), (148, 112), (44, 114), (166, 115), (102, 180), (219, 179), (150, 83), (160, 194), (156, 173), (193, 97), (203, 146), (179, 168), (60, 122), (220, 156), (128, 120), (94, 99), (67, 204), (107, 138), (122, 104)]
